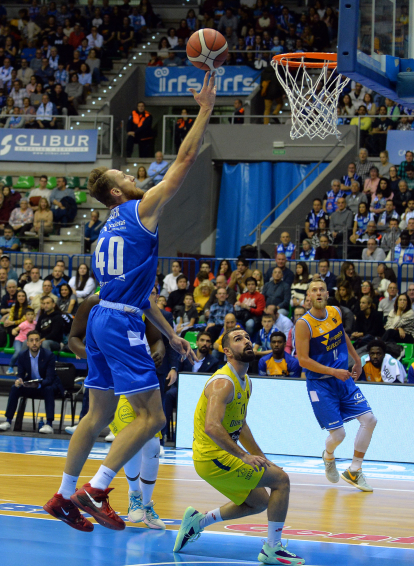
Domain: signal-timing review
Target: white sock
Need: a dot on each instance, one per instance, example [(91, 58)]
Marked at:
[(149, 468), (102, 478), (356, 464), (211, 517), (132, 470), (274, 533), (68, 485)]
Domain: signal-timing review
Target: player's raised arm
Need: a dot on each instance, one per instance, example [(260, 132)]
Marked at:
[(157, 197)]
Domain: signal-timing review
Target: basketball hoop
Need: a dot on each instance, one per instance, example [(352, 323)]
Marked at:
[(313, 99)]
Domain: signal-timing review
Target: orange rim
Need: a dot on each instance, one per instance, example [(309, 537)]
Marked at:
[(288, 59)]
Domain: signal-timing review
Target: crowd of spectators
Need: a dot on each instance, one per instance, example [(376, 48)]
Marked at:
[(52, 54)]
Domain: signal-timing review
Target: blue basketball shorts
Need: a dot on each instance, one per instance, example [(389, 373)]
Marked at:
[(117, 354), (335, 402)]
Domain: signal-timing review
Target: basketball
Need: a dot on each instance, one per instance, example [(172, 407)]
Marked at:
[(207, 49)]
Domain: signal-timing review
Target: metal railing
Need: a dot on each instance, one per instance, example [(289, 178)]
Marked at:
[(258, 229)]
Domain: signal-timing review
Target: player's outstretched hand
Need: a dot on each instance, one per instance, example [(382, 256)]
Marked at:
[(207, 95), (257, 462), (342, 374), (183, 348)]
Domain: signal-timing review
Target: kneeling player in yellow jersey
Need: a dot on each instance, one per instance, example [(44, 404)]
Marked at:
[(239, 474)]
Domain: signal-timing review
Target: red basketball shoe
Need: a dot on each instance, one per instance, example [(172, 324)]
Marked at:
[(96, 502), (67, 512)]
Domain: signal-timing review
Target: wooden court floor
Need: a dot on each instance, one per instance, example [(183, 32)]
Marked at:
[(318, 511)]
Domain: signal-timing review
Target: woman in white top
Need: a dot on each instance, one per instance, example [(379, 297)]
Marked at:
[(172, 38), (82, 283), (170, 280), (300, 284)]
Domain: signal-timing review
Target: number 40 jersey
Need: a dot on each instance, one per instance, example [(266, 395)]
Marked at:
[(126, 256)]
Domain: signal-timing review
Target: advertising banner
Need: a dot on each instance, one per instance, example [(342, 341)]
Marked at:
[(48, 145), (398, 142)]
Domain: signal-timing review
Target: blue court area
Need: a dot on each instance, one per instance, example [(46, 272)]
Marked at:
[(291, 464), (38, 542)]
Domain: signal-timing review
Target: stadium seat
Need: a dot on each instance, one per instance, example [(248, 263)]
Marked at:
[(191, 337), (67, 355), (25, 182), (408, 353), (6, 180), (85, 184), (9, 350), (80, 197), (51, 183), (72, 182)]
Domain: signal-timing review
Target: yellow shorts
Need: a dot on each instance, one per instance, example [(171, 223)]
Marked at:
[(124, 414), (229, 475)]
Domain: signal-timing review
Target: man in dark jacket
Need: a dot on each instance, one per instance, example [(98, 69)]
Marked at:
[(36, 379), (50, 325), (277, 292), (139, 130), (205, 363)]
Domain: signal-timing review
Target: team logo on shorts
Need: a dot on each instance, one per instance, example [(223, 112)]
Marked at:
[(358, 396), (126, 414), (239, 395)]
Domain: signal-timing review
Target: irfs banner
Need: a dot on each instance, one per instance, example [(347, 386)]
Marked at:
[(398, 142), (48, 145), (175, 81)]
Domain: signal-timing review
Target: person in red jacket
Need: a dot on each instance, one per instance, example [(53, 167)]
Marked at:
[(250, 306)]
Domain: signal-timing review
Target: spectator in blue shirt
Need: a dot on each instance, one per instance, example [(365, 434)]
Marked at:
[(158, 168), (92, 229), (217, 313), (9, 242)]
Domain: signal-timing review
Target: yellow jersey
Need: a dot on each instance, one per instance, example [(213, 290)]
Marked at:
[(204, 448), (372, 373)]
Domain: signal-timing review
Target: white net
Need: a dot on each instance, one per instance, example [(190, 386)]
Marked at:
[(313, 98)]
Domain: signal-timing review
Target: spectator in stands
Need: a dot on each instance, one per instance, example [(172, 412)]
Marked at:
[(347, 107), (57, 280), (372, 181), (258, 275), (74, 90), (28, 112), (217, 313), (312, 219), (364, 123), (5, 264), (45, 215), (15, 120), (384, 219), (158, 168), (341, 221), (24, 73), (325, 250), (380, 127), (277, 292), (279, 362), (394, 179), (392, 110), (20, 332), (45, 72), (46, 113), (349, 274), (372, 252), (384, 168), (92, 229), (346, 297), (205, 269), (36, 96), (351, 175), (286, 246), (36, 62), (308, 252), (403, 165), (139, 131), (7, 110), (182, 127), (9, 298), (326, 276), (400, 322), (21, 219), (322, 230), (224, 268), (14, 317), (228, 20), (125, 37), (250, 306), (369, 323), (9, 242), (409, 213), (403, 251), (75, 38), (35, 364), (300, 284), (50, 325), (384, 277), (155, 60), (25, 275), (389, 239), (60, 99), (46, 292), (18, 93), (239, 276), (330, 199), (288, 274), (56, 197), (261, 346), (67, 301), (6, 70), (82, 283), (186, 314), (357, 95), (386, 305), (221, 283), (170, 280), (360, 221), (202, 294), (176, 298), (410, 293), (238, 114), (142, 180), (35, 285), (85, 79)]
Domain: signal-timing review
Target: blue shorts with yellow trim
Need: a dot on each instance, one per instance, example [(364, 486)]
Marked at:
[(229, 475), (335, 402)]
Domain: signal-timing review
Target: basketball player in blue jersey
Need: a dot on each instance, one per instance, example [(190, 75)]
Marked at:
[(322, 348), (125, 264)]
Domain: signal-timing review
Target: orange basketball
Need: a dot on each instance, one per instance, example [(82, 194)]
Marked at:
[(207, 49)]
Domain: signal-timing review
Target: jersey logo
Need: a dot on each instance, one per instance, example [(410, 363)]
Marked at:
[(239, 395), (114, 213), (135, 338), (325, 342)]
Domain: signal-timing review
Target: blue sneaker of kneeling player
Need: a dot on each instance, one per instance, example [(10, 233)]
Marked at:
[(190, 529), (278, 555)]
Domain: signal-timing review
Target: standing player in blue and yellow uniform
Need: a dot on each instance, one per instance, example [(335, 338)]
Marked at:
[(322, 347), (125, 265), (240, 474)]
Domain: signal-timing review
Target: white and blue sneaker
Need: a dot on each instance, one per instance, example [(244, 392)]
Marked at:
[(190, 529), (10, 371), (278, 555), (151, 518), (136, 511)]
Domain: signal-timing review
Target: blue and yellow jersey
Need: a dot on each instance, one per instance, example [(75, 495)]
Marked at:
[(327, 344), (410, 374), (287, 366)]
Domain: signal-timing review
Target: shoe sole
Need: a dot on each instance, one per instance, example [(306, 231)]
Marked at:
[(332, 481), (102, 520), (180, 536), (134, 520), (63, 518), (356, 485), (155, 527), (283, 561)]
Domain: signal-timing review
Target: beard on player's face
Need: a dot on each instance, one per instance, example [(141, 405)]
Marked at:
[(319, 302), (246, 356)]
